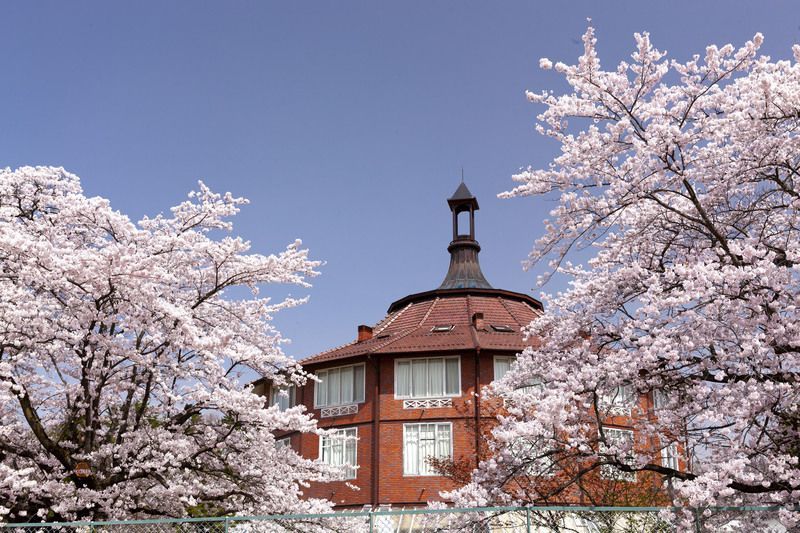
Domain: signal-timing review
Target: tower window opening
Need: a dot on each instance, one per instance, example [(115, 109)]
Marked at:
[(463, 228)]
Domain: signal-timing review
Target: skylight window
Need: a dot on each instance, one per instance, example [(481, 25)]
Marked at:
[(502, 328), (443, 328)]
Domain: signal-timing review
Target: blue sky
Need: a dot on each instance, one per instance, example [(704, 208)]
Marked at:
[(345, 123)]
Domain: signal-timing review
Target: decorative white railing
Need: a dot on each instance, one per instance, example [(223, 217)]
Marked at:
[(427, 403), (618, 410), (338, 410)]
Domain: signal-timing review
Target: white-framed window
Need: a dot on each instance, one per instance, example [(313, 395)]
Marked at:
[(341, 449), (502, 364), (618, 438), (534, 456), (669, 456), (660, 399), (618, 400), (342, 385), (285, 442), (421, 442), (284, 398), (427, 377)]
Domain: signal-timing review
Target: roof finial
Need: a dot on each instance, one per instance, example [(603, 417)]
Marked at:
[(462, 173)]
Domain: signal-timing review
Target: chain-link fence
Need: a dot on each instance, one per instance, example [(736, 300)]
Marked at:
[(479, 520)]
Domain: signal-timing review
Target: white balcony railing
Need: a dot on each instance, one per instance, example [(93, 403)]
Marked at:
[(427, 403), (338, 410)]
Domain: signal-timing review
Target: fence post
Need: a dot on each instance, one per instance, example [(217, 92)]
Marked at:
[(226, 524), (371, 522), (698, 527), (528, 519)]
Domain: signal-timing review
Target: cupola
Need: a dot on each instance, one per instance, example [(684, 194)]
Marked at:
[(465, 270)]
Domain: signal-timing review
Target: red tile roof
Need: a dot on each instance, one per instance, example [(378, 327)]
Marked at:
[(407, 326)]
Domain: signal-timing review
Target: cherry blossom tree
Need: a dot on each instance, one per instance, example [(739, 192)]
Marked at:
[(680, 182), (123, 350)]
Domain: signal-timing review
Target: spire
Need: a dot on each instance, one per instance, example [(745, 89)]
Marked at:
[(465, 270)]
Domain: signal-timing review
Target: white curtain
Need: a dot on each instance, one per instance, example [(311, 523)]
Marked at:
[(621, 396), (334, 387), (423, 442), (435, 377), (427, 447), (351, 457), (660, 399), (284, 399), (321, 389), (341, 449), (411, 449), (453, 382), (443, 440), (403, 379), (669, 456), (347, 385), (501, 366), (419, 378), (358, 383)]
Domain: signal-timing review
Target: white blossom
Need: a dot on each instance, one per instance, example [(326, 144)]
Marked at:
[(122, 346), (683, 181)]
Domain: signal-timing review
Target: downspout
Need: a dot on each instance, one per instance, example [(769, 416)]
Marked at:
[(477, 406), (477, 324), (376, 427)]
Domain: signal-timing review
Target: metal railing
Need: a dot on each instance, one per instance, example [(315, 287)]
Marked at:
[(552, 519)]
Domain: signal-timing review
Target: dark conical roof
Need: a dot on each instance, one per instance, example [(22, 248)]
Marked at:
[(462, 193), (462, 197)]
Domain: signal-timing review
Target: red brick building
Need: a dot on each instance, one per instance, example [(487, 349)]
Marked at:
[(405, 388)]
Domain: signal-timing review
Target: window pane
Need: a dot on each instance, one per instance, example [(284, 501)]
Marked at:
[(326, 450), (619, 397), (403, 379), (423, 442), (358, 383), (419, 378), (427, 447), (350, 456), (334, 387), (501, 366), (669, 456), (619, 438), (659, 399), (443, 441), (411, 450), (340, 449), (453, 381), (321, 389), (436, 377), (346, 375), (282, 399)]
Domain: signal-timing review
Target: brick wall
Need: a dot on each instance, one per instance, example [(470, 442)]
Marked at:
[(386, 468)]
